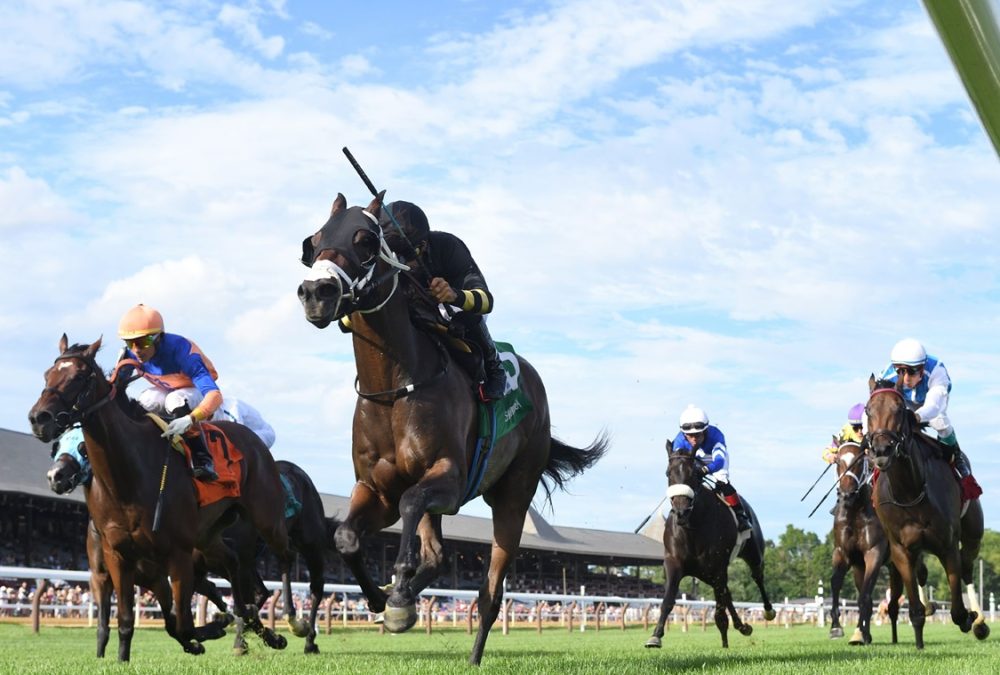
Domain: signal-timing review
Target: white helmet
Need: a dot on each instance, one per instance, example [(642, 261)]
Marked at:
[(693, 419), (908, 352)]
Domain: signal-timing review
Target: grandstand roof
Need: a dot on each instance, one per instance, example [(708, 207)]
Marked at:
[(24, 461)]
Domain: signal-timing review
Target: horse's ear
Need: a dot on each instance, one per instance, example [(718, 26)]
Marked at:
[(309, 249), (670, 446), (375, 208), (871, 383), (899, 384), (339, 204), (63, 344), (92, 350)]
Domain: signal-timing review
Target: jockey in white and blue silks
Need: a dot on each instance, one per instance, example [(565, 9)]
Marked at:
[(926, 384), (708, 444)]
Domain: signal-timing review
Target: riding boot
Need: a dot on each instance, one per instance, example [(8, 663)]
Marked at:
[(201, 459), (742, 519), (960, 461), (495, 384)]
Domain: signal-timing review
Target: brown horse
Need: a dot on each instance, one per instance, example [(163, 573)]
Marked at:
[(918, 501), (415, 423), (130, 462), (859, 545), (72, 469), (698, 540)]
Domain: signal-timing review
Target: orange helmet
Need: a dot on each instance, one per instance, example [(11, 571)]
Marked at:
[(139, 321)]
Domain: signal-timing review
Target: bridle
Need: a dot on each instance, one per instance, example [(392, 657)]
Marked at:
[(76, 406), (682, 489), (860, 480), (897, 439)]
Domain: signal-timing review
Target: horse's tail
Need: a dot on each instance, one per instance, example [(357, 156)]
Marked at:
[(565, 461)]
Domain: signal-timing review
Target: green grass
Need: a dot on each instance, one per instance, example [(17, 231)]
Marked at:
[(800, 650)]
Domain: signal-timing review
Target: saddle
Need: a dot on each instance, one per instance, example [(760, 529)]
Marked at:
[(226, 457)]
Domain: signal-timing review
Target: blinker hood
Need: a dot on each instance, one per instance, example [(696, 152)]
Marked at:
[(352, 232)]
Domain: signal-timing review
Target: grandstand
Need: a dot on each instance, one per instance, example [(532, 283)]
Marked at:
[(41, 529)]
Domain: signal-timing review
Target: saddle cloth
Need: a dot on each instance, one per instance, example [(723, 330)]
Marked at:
[(225, 456)]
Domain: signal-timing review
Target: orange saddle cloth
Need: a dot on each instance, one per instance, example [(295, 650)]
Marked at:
[(227, 459)]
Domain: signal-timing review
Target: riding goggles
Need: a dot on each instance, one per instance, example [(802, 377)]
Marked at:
[(141, 342), (908, 370), (694, 427)]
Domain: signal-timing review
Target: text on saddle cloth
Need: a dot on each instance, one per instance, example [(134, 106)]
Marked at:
[(497, 418)]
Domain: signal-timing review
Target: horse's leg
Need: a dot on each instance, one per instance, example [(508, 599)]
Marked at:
[(906, 563), (431, 551), (960, 616), (509, 499), (836, 582), (100, 588), (895, 592), (873, 563), (123, 577), (367, 514), (314, 563), (754, 558), (671, 582), (971, 540), (722, 602), (205, 587), (181, 570), (436, 492)]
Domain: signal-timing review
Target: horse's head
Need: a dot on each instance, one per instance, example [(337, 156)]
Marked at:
[(683, 480), (851, 471), (341, 258), (74, 386), (889, 422), (65, 474)]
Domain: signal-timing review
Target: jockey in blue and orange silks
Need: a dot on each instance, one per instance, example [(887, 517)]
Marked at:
[(927, 385), (183, 380), (709, 445)]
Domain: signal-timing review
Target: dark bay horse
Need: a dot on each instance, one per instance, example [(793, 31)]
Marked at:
[(698, 540), (918, 501), (416, 423), (859, 545), (130, 461)]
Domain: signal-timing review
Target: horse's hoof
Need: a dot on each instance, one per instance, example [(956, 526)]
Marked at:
[(930, 608), (299, 627), (241, 649), (745, 629), (210, 631), (836, 632), (654, 643), (272, 639), (224, 619), (400, 619), (981, 630), (769, 615), (312, 648), (379, 618), (194, 647), (858, 638)]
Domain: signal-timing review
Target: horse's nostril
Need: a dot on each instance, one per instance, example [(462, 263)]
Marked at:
[(303, 293)]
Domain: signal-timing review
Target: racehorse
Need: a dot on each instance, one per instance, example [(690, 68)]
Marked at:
[(64, 475), (698, 540), (131, 464), (308, 532), (416, 423), (918, 501), (859, 544)]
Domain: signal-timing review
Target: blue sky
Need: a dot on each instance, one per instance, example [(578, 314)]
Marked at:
[(739, 204)]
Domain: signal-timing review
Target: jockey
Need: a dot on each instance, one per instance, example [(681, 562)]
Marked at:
[(455, 280), (851, 432), (927, 385), (183, 380), (709, 445)]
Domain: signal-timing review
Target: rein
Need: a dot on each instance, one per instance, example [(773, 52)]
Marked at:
[(390, 396), (900, 440)]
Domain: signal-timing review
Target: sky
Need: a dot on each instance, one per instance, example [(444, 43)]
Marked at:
[(741, 204)]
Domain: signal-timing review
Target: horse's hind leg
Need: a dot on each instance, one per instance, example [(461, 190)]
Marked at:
[(971, 540), (722, 602), (181, 571), (314, 562), (836, 582), (895, 592), (123, 577), (866, 584), (100, 584), (754, 558), (672, 580)]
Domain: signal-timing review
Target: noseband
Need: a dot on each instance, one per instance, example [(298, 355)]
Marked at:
[(859, 480)]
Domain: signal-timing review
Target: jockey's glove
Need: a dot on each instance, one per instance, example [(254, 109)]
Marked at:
[(178, 426)]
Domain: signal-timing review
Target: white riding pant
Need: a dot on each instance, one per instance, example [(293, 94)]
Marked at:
[(166, 401)]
